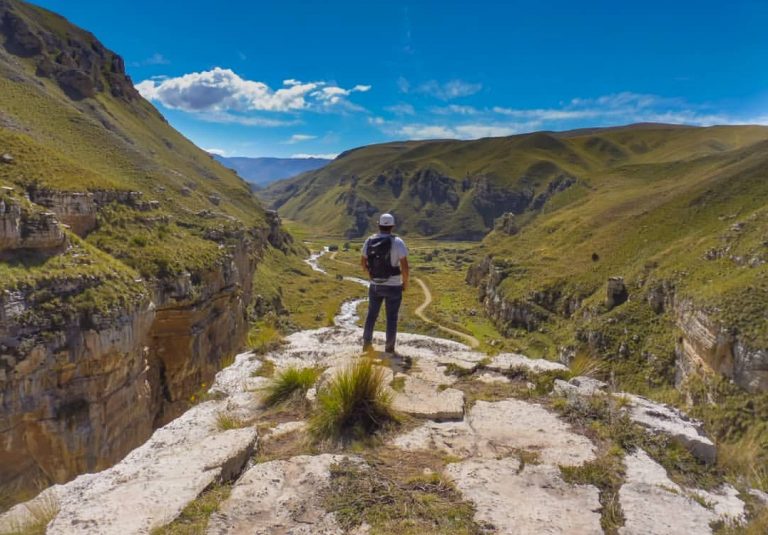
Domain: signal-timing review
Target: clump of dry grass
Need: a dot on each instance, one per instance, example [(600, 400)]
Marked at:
[(355, 401), (291, 383)]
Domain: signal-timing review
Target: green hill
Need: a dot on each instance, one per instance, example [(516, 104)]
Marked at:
[(71, 121), (456, 189)]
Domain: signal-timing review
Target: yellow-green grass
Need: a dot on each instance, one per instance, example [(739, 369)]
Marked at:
[(354, 403), (193, 520), (311, 299), (290, 383)]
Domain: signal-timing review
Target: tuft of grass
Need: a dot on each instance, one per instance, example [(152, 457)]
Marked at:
[(289, 384), (425, 503), (745, 456), (267, 369), (356, 400), (39, 514), (586, 365), (264, 338), (225, 422), (194, 518)]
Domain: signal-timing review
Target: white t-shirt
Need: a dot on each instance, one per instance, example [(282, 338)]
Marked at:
[(398, 251)]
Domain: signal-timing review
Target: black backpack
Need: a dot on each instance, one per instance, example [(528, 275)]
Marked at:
[(380, 259)]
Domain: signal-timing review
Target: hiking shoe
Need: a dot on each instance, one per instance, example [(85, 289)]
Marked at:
[(390, 349), (367, 347)]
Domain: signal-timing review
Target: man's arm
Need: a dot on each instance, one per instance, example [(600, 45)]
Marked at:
[(404, 269), (364, 263)]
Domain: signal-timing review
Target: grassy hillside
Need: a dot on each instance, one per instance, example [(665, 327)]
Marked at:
[(71, 121), (456, 189)]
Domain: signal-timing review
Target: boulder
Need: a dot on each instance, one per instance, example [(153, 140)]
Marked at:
[(660, 418), (655, 505), (616, 293), (6, 158)]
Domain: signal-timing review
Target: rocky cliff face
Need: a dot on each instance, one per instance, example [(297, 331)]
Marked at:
[(507, 314), (704, 345), (23, 229), (707, 346), (80, 391)]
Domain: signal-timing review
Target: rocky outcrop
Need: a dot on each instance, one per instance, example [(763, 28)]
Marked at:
[(428, 186), (361, 211), (616, 293), (80, 65), (74, 399), (506, 314), (707, 345), (492, 200), (21, 228), (197, 327), (81, 388), (506, 224), (558, 184)]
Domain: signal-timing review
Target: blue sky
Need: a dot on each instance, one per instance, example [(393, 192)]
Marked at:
[(298, 78)]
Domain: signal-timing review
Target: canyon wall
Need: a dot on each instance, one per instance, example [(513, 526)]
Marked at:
[(704, 345), (79, 391)]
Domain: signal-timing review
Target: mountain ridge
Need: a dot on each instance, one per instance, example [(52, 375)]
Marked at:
[(463, 186), (263, 171)]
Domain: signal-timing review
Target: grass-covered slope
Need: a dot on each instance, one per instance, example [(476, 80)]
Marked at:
[(456, 189), (71, 122)]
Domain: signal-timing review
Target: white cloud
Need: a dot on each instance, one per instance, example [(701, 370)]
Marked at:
[(401, 109), (378, 121), (455, 109), (463, 131), (225, 117), (327, 156), (217, 152), (222, 90), (298, 138), (449, 90), (154, 59)]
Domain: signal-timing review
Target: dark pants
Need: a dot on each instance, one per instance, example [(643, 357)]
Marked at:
[(393, 295)]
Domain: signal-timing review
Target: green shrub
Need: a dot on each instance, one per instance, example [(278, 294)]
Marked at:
[(290, 383), (355, 400), (264, 338)]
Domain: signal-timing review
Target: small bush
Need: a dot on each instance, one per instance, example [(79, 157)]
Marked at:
[(290, 383), (355, 400), (264, 338), (225, 422), (584, 365)]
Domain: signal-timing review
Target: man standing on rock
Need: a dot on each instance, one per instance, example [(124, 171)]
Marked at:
[(385, 261)]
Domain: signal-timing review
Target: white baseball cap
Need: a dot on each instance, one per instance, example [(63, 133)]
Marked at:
[(387, 220)]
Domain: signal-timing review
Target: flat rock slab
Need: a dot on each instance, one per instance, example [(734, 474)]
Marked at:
[(422, 399), (532, 501), (503, 362), (498, 428), (653, 504), (153, 484), (279, 497), (662, 418)]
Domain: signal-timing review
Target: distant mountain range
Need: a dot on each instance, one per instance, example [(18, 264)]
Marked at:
[(453, 189), (263, 171)]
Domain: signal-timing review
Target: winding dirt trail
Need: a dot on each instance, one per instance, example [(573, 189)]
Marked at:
[(468, 338)]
